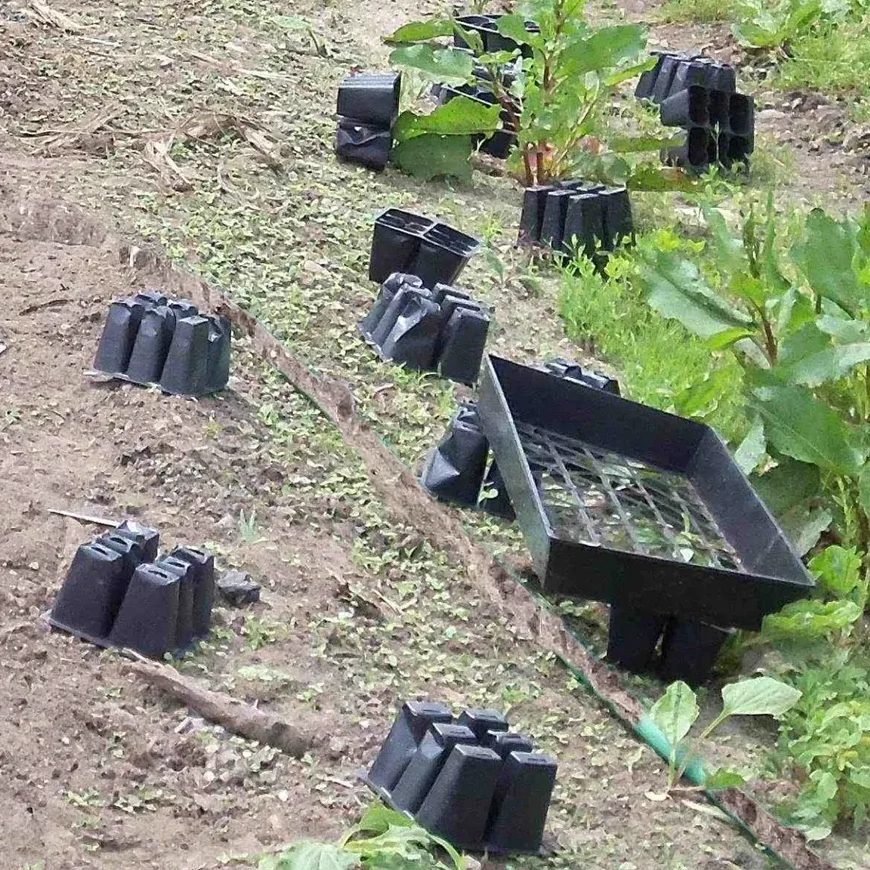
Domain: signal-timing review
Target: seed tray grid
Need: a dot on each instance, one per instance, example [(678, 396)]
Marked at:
[(662, 517), (622, 503)]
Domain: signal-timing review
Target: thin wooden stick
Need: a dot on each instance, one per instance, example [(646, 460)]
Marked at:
[(85, 518)]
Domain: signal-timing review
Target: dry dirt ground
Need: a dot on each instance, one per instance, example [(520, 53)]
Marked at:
[(358, 611)]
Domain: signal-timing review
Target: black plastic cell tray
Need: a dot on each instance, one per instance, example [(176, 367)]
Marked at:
[(636, 507)]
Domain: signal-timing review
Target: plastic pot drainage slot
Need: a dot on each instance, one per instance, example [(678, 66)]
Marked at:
[(119, 592), (441, 330), (468, 780), (635, 507), (147, 340), (406, 242)]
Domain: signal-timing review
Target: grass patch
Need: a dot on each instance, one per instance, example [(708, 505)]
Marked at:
[(697, 11), (832, 59), (659, 360)]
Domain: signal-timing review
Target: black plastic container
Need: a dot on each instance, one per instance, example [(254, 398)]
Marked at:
[(675, 72), (689, 650), (361, 143), (469, 781), (118, 592), (699, 151), (500, 143), (689, 107), (371, 98), (454, 470), (576, 216), (152, 340), (635, 507), (440, 330), (633, 637), (406, 242), (566, 368), (486, 26)]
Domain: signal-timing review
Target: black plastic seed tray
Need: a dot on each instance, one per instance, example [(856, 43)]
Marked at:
[(149, 339), (406, 242), (467, 779), (623, 503), (357, 142), (441, 330), (486, 26), (575, 215), (119, 592)]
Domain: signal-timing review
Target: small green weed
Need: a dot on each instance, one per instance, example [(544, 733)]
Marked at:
[(258, 632)]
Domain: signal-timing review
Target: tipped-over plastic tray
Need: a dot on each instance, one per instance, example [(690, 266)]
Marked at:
[(469, 780), (634, 506)]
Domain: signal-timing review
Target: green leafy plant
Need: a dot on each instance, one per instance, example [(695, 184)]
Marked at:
[(382, 840), (826, 735), (564, 77), (798, 322), (762, 24), (677, 710)]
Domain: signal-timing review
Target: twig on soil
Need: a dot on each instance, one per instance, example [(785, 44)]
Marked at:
[(44, 14), (85, 518), (237, 70), (79, 135), (222, 709), (38, 306)]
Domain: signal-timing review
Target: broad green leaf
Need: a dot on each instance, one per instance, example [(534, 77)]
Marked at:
[(462, 116), (678, 290), (752, 449), (650, 177), (845, 330), (803, 427), (723, 778), (825, 257), (807, 357), (838, 570), (443, 65), (630, 72), (728, 337), (514, 27), (787, 485), (675, 713), (804, 526), (430, 156), (310, 856), (864, 490), (604, 49), (377, 819), (728, 251), (810, 621), (759, 696), (421, 31), (702, 397)]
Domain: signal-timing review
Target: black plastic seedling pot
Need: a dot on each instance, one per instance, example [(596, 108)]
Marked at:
[(407, 242), (486, 26), (468, 780), (149, 340), (633, 506), (439, 330), (119, 593), (371, 98), (674, 73), (357, 142)]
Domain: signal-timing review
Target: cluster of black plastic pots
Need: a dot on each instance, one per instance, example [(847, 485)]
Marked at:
[(467, 779), (120, 592), (150, 339), (456, 470), (699, 95), (442, 329), (572, 216), (414, 245), (368, 105)]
